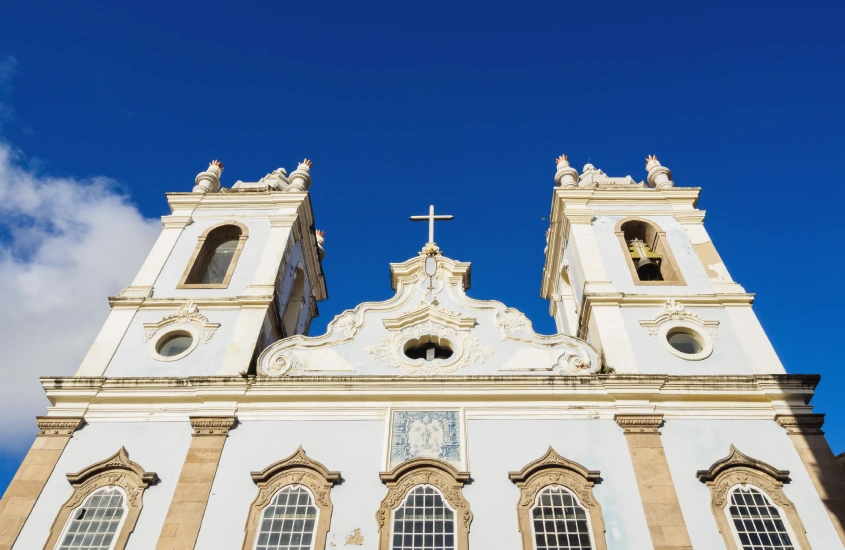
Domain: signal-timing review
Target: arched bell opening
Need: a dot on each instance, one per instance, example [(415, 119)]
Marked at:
[(648, 252)]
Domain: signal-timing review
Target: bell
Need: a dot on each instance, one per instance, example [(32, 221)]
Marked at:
[(648, 270)]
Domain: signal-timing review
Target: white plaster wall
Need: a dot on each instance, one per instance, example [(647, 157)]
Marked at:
[(133, 357), (496, 447), (617, 268), (158, 447), (692, 445), (576, 271), (174, 268), (355, 448), (652, 357)]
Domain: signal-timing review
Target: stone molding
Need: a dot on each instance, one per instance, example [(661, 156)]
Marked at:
[(297, 469), (740, 469), (59, 426), (433, 313), (424, 471), (213, 425), (801, 424), (188, 313), (115, 471), (674, 311), (552, 469), (639, 423)]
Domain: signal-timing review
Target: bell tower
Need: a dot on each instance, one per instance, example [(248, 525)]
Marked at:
[(630, 268), (233, 270)]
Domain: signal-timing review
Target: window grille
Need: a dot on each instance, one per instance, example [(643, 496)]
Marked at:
[(424, 521), (559, 521), (289, 521), (94, 525), (757, 521)]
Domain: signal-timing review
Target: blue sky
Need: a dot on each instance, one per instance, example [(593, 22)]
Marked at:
[(401, 105)]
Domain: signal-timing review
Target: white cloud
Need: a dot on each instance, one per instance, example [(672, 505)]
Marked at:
[(65, 245)]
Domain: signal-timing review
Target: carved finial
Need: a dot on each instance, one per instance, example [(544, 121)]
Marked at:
[(300, 179), (659, 176), (566, 176), (209, 180), (320, 233), (321, 239)]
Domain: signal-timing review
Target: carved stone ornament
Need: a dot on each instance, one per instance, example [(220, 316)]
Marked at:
[(675, 311), (465, 349), (740, 469), (553, 470), (802, 424), (213, 425), (639, 423), (188, 314), (424, 471), (58, 426), (296, 470), (115, 471)]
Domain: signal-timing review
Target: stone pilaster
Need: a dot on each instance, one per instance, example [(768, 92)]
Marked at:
[(657, 490), (182, 524), (34, 471), (806, 433)]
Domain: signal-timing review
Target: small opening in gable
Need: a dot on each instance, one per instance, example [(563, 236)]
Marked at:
[(428, 348)]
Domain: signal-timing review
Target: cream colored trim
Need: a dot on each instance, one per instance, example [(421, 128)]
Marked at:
[(117, 470), (553, 470), (660, 245), (297, 469), (739, 469), (424, 471), (201, 241)]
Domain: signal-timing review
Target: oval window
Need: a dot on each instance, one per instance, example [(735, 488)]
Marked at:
[(175, 345), (685, 342)]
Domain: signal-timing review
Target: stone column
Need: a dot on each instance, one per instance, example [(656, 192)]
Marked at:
[(182, 524), (34, 471), (657, 490), (806, 433)]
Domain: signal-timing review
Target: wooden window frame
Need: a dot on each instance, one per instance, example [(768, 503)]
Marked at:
[(198, 250), (115, 471), (740, 469), (659, 244), (297, 469), (424, 471), (549, 470)]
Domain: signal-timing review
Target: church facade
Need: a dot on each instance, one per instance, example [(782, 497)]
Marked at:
[(204, 415)]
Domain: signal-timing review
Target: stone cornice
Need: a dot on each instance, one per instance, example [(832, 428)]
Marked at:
[(639, 423), (52, 426), (754, 396), (801, 424), (213, 425)]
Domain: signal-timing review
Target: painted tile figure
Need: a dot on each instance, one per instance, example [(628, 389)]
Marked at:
[(426, 434)]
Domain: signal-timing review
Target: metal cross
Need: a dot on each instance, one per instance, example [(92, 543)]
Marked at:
[(431, 218)]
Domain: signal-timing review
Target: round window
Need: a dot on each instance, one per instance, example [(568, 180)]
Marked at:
[(686, 342), (174, 345)]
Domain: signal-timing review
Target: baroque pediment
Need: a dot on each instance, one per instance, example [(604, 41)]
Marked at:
[(472, 337)]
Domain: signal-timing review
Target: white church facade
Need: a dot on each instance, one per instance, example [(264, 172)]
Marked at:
[(205, 417)]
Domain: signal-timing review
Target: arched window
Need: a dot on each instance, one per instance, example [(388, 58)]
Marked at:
[(296, 303), (757, 521), (423, 521), (292, 510), (425, 508), (750, 507), (647, 253), (289, 522), (95, 523), (556, 508), (104, 507), (215, 257), (559, 522)]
